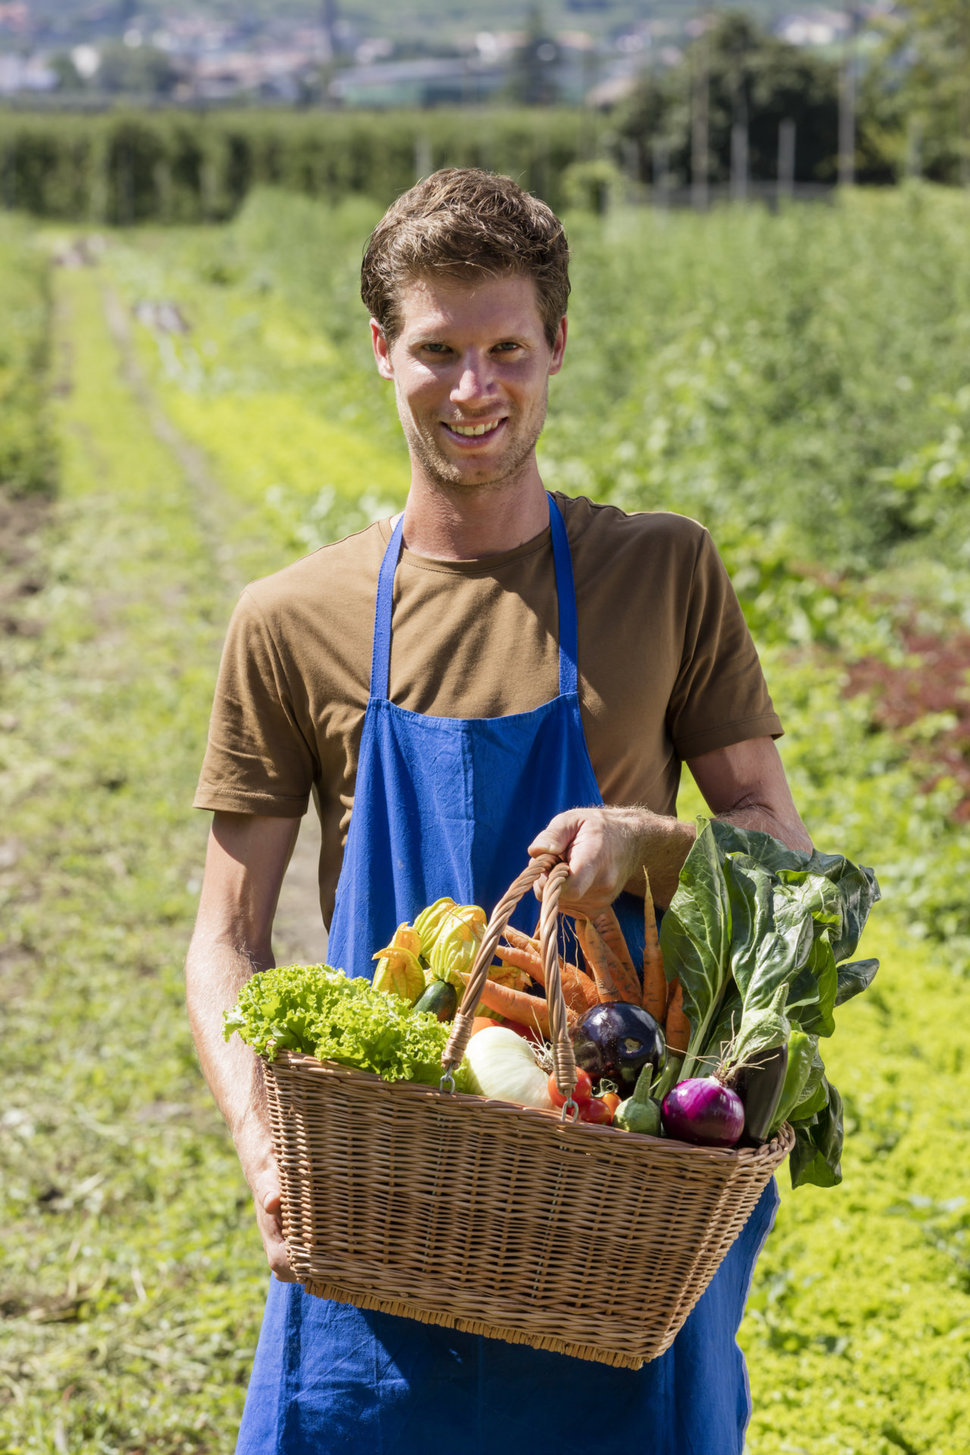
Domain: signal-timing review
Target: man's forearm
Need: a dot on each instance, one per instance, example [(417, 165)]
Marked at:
[(214, 975), (663, 845)]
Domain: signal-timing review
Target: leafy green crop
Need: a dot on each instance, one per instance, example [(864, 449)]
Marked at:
[(322, 1012), (759, 936)]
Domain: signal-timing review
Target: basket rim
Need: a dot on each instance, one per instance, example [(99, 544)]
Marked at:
[(776, 1149)]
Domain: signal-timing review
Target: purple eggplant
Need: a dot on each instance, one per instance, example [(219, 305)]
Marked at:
[(615, 1040), (759, 1083)]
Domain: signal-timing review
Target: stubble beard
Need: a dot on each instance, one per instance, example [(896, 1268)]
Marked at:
[(449, 476)]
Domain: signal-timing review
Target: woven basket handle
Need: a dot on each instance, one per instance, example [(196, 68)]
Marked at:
[(563, 1060)]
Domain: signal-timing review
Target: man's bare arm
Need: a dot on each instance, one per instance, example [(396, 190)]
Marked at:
[(246, 859), (746, 785), (608, 848)]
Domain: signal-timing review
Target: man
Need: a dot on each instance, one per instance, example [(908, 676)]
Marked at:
[(457, 688)]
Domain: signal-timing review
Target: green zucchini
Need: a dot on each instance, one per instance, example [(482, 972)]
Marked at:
[(440, 998)]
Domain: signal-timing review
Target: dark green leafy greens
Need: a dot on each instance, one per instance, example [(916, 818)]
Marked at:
[(761, 938), (322, 1012)]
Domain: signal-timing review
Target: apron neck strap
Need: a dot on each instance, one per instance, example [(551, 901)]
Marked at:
[(568, 626)]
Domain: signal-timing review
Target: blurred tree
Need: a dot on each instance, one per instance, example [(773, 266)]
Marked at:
[(532, 72), (68, 76), (756, 82), (927, 67), (135, 70)]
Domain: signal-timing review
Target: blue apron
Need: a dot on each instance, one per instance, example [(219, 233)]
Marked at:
[(449, 806)]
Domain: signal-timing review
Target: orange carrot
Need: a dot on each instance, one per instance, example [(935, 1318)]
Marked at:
[(615, 978), (608, 926), (654, 980), (676, 1024), (516, 1005), (520, 939), (579, 990)]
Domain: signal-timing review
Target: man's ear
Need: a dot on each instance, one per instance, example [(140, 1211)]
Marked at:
[(559, 347), (382, 350)]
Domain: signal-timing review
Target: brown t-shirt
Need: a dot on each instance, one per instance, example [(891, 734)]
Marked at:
[(667, 667)]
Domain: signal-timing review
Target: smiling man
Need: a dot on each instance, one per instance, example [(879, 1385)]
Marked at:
[(499, 670)]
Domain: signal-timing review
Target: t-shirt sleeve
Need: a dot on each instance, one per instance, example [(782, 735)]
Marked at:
[(720, 696), (257, 759)]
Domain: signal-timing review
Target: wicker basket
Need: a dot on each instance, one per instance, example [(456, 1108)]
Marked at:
[(500, 1219)]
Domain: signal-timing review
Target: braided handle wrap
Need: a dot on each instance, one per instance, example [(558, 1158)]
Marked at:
[(563, 1059), (562, 1051)]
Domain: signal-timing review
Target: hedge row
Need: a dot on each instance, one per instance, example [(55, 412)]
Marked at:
[(26, 447), (118, 168)]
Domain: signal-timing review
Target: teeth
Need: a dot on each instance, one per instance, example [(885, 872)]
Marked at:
[(474, 429)]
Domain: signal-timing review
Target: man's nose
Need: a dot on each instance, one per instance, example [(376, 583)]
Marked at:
[(475, 380)]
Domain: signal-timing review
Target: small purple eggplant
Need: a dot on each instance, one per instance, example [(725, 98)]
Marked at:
[(615, 1041), (759, 1083)]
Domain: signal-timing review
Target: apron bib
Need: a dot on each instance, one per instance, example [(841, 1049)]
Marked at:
[(449, 806)]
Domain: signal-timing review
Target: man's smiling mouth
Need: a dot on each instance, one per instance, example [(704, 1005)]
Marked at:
[(473, 431)]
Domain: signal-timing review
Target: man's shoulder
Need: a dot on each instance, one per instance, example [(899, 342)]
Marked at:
[(603, 525), (325, 577)]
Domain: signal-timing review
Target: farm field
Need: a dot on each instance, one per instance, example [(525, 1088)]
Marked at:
[(191, 408)]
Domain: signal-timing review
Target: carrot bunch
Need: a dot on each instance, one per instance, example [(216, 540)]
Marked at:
[(608, 973)]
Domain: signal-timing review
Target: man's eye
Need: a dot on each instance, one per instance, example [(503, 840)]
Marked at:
[(433, 348), (508, 346)]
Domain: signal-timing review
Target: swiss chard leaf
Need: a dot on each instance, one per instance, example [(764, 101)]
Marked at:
[(763, 949), (854, 978), (695, 938), (811, 994), (816, 1158)]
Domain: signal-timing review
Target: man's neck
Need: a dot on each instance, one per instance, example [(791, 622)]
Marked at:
[(467, 524)]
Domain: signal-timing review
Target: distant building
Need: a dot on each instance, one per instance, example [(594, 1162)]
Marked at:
[(20, 74), (814, 27), (426, 82)]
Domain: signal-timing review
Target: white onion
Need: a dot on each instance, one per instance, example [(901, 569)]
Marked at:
[(504, 1067)]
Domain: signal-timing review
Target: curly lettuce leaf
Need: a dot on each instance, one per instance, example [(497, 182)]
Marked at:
[(320, 1011)]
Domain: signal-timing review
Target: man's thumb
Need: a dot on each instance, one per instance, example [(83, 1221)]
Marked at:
[(270, 1200)]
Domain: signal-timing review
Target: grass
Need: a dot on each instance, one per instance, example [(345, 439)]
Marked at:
[(131, 1266), (858, 1329)]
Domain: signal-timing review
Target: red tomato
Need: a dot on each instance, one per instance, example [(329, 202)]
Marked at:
[(596, 1110), (581, 1093), (481, 1021)]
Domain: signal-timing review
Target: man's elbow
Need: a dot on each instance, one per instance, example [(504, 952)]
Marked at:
[(784, 825)]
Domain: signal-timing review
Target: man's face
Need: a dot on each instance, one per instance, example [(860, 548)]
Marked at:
[(471, 367)]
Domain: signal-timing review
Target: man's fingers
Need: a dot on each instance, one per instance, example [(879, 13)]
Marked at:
[(271, 1230)]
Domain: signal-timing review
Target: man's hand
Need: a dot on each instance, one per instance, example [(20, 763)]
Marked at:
[(608, 849), (255, 1153), (269, 1222)]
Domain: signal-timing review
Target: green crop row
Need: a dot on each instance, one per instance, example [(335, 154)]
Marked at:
[(26, 449), (121, 168)]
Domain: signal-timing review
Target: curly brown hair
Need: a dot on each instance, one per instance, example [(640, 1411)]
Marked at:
[(459, 222)]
